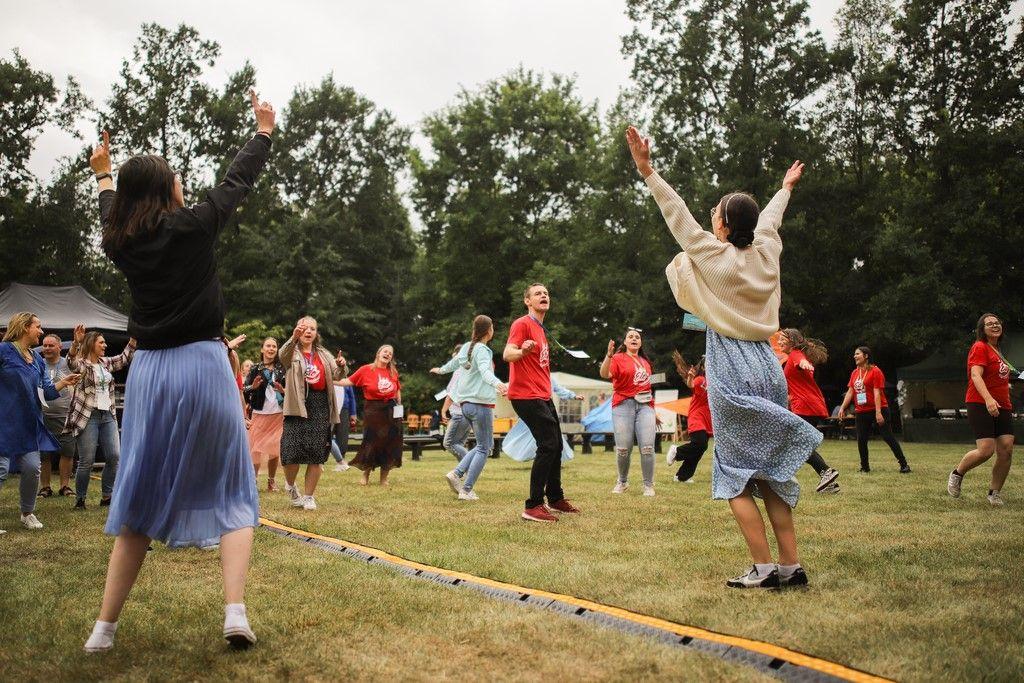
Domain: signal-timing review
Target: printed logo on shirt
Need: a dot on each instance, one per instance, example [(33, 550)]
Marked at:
[(1004, 370), (545, 356), (640, 377), (313, 373), (385, 385), (858, 385)]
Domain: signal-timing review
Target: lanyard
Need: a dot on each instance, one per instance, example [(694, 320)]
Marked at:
[(572, 352), (1003, 358)]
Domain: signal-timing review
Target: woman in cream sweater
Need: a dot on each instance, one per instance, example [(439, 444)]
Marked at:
[(730, 279)]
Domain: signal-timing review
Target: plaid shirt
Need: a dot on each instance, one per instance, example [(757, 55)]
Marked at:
[(84, 397)]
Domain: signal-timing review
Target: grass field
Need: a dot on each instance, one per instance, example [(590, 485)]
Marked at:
[(906, 582)]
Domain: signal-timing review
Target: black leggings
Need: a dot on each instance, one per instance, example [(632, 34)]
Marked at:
[(691, 453), (814, 459), (865, 423)]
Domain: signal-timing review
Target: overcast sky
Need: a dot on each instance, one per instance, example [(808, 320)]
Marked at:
[(408, 56)]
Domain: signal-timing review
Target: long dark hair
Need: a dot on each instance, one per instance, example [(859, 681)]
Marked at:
[(739, 212), (814, 349), (481, 326), (980, 331), (640, 352), (145, 191), (867, 354)]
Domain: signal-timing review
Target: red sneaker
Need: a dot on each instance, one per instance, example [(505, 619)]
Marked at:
[(538, 514), (564, 506)]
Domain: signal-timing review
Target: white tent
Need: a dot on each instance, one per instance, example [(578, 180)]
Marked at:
[(60, 308), (594, 392)]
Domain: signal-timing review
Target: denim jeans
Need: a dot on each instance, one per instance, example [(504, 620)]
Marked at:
[(634, 420), (481, 417), (28, 482), (339, 444), (101, 429), (455, 435)]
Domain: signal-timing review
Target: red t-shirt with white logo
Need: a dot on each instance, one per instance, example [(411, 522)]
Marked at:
[(378, 384), (866, 383), (805, 398), (316, 377), (629, 377), (996, 375), (699, 418), (530, 377)]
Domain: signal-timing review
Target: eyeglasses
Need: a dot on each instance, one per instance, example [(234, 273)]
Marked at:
[(993, 324)]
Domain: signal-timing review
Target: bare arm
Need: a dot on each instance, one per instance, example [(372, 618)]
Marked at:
[(846, 402), (977, 378), (606, 371)]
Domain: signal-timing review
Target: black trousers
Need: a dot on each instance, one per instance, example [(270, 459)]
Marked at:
[(814, 459), (341, 432), (691, 453), (865, 423), (546, 476)]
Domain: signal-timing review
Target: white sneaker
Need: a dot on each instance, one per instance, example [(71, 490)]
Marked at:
[(953, 485), (102, 638), (468, 495), (670, 455), (828, 477), (308, 503), (649, 491), (620, 487), (3, 531), (341, 466), (993, 498), (292, 491), (29, 521), (454, 481), (237, 631), (298, 501)]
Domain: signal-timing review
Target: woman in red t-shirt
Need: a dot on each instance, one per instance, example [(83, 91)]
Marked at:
[(698, 420), (632, 407), (382, 415), (805, 398), (988, 409), (867, 392)]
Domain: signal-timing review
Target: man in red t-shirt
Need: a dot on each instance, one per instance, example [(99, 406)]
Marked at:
[(529, 389)]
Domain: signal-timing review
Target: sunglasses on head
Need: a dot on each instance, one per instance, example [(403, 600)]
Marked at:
[(633, 329)]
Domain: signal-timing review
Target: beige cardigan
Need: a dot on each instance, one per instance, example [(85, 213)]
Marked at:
[(735, 291), (295, 380)]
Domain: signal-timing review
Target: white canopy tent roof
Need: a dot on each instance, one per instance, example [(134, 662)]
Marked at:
[(60, 308)]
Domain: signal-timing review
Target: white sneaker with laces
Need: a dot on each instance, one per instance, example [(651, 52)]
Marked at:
[(341, 466), (620, 487), (995, 499), (828, 477), (649, 491), (29, 521), (298, 501), (308, 503), (753, 580), (454, 481), (236, 627), (954, 483), (292, 490), (468, 495), (670, 455)]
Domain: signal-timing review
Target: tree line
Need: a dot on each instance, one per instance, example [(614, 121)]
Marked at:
[(907, 225)]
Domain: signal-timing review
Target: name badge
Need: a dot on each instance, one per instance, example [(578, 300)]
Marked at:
[(862, 398), (398, 412)]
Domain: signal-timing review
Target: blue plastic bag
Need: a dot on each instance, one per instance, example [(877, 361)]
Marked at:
[(520, 445)]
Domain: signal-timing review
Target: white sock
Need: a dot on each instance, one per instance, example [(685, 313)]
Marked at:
[(764, 569), (235, 608), (105, 627), (788, 569)]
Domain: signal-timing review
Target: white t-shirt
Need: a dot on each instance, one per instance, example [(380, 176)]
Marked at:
[(270, 404), (104, 386)]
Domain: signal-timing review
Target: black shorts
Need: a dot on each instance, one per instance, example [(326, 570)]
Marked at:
[(985, 426)]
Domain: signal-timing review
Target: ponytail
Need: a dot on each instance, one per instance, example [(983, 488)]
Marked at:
[(481, 326)]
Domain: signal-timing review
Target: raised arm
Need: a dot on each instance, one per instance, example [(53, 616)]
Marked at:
[(451, 366), (120, 361), (561, 392), (605, 369), (770, 220)]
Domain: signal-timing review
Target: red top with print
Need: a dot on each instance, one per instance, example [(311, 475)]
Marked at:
[(867, 382), (699, 419), (805, 397), (316, 376), (629, 377), (378, 384), (530, 377), (996, 375)]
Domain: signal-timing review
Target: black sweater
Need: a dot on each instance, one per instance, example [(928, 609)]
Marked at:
[(172, 270)]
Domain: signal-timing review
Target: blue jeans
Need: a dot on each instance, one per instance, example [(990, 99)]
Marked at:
[(455, 435), (481, 417), (101, 429), (28, 482), (634, 420)]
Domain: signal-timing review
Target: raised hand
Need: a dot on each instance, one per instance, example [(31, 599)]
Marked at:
[(340, 360), (100, 159), (298, 332), (435, 371), (257, 381), (611, 348), (793, 175), (264, 112), (640, 148), (236, 342), (528, 346), (79, 333)]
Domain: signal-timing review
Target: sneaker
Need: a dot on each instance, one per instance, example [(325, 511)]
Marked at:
[(538, 514), (620, 487), (670, 455), (3, 531), (905, 469), (237, 631), (831, 488), (827, 478), (649, 491), (994, 499), (797, 578), (454, 481), (272, 486), (293, 493), (29, 521), (752, 580), (101, 639), (65, 491), (676, 479), (44, 492), (341, 466), (468, 495), (105, 502), (953, 484), (564, 506), (308, 503), (80, 504)]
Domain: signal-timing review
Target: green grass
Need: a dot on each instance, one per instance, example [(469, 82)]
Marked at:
[(906, 582)]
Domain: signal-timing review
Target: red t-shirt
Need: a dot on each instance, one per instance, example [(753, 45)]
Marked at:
[(629, 377), (316, 376), (866, 383), (805, 397), (378, 384), (530, 377), (996, 375), (699, 419)]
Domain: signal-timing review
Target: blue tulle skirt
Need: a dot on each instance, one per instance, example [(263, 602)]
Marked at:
[(186, 477)]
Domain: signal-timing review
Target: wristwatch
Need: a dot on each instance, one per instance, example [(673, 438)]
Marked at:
[(101, 176)]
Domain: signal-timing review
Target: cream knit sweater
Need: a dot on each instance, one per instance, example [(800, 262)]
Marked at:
[(735, 291)]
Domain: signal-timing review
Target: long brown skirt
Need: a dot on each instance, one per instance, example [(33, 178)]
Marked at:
[(382, 438)]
